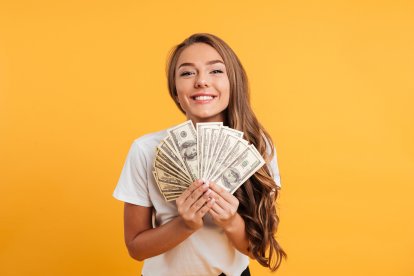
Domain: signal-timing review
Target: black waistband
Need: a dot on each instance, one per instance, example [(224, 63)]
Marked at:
[(245, 272)]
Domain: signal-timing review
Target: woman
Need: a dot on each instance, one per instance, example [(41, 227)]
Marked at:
[(207, 230)]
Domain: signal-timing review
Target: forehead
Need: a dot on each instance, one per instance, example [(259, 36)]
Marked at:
[(198, 53)]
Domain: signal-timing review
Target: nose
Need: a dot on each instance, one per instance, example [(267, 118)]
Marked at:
[(202, 81)]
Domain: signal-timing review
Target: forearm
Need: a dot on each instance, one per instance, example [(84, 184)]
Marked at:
[(236, 232), (155, 241)]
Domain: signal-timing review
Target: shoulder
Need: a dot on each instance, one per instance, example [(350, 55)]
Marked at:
[(149, 141), (144, 147)]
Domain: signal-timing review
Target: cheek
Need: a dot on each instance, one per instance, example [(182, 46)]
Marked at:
[(225, 89), (183, 86)]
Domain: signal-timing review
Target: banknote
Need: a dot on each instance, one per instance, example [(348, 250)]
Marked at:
[(167, 177), (171, 154), (204, 136), (209, 151), (164, 167), (240, 170), (229, 142), (184, 139), (223, 132), (235, 153)]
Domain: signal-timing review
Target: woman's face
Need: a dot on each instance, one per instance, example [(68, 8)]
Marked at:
[(202, 84)]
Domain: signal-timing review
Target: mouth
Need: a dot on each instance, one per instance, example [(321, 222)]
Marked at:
[(203, 98)]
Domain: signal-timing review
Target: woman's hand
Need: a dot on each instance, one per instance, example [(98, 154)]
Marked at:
[(224, 211), (194, 203)]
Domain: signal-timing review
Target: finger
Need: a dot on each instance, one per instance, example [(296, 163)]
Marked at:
[(220, 200), (218, 209), (200, 201), (214, 214), (206, 208), (226, 195), (189, 190), (221, 191), (194, 196)]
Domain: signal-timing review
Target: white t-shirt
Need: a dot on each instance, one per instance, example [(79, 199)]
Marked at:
[(207, 251)]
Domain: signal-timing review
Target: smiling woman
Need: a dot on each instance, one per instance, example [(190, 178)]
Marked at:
[(202, 85), (207, 230)]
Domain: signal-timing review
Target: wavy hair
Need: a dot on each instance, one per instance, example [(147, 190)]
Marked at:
[(258, 195)]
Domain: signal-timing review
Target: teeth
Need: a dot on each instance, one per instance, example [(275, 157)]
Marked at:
[(203, 98)]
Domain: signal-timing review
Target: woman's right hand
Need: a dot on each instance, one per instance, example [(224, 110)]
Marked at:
[(194, 203)]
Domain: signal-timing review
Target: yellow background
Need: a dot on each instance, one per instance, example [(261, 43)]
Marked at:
[(332, 81)]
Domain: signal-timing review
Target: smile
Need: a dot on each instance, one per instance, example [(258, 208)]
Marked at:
[(203, 98)]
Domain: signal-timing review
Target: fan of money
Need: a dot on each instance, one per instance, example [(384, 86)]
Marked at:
[(210, 151)]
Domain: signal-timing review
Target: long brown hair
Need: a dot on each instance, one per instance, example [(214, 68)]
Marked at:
[(258, 195)]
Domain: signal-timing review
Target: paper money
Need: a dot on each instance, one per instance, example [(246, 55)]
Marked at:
[(210, 151), (240, 170), (184, 139)]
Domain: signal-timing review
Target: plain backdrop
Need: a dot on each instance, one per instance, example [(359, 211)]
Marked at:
[(332, 81)]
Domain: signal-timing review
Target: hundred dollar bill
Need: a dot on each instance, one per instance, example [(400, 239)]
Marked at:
[(170, 154), (172, 193), (203, 143), (170, 164), (167, 189), (211, 128), (206, 143), (170, 144), (185, 142), (229, 142), (240, 170), (170, 179), (171, 197), (234, 154), (200, 133), (163, 166), (223, 132)]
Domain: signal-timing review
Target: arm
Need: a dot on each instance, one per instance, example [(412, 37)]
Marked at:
[(224, 213), (144, 242)]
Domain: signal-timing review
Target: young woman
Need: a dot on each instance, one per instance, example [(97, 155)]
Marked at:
[(207, 230)]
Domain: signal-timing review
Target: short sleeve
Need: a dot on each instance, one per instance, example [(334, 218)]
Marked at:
[(274, 168), (273, 165), (132, 185)]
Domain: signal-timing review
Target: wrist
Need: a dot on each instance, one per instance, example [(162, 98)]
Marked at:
[(187, 229), (233, 224)]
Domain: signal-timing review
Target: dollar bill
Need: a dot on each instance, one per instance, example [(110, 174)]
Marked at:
[(210, 151), (235, 153), (223, 132), (229, 142), (240, 170), (204, 134), (184, 139), (170, 179), (171, 154), (212, 132), (170, 164), (163, 166)]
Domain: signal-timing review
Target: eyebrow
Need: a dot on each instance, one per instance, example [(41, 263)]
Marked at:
[(208, 63)]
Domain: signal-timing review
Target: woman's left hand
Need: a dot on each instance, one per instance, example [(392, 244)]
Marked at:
[(225, 209)]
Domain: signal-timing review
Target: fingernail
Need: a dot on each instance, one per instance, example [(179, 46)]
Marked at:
[(207, 182), (208, 192)]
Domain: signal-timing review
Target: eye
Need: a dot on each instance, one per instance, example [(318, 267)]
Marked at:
[(217, 71), (186, 73)]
